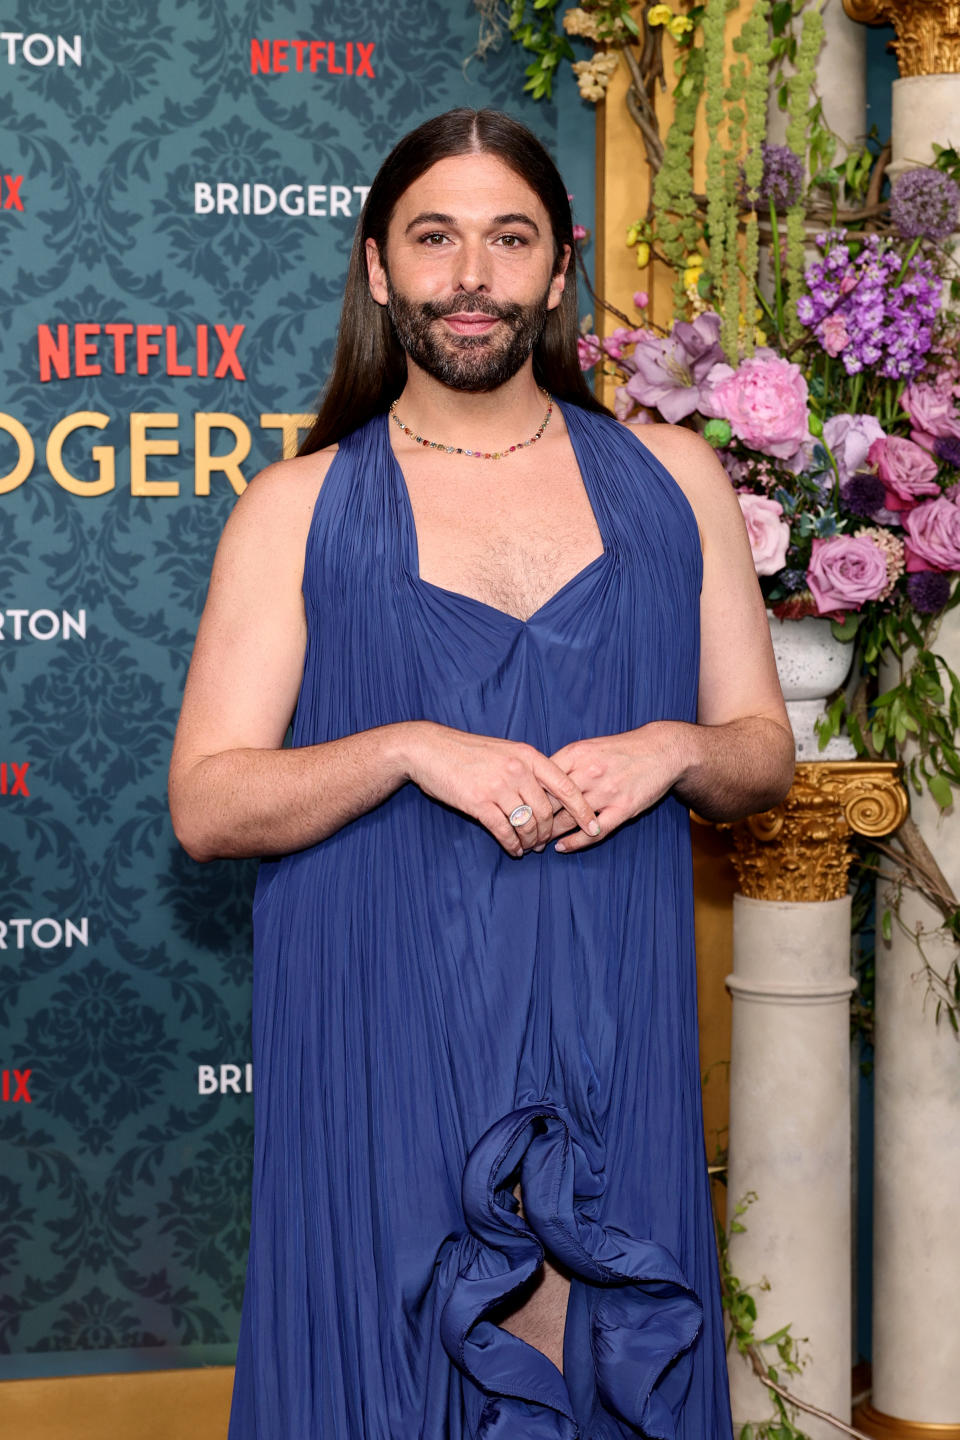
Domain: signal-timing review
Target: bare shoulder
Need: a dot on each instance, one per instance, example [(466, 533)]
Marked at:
[(274, 512), (694, 465)]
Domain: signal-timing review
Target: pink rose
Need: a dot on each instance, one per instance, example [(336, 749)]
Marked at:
[(849, 438), (907, 471), (933, 411), (579, 232), (845, 572), (932, 541), (769, 533), (834, 335), (765, 401)]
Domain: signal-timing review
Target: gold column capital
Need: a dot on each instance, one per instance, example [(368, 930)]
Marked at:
[(928, 32), (800, 850)]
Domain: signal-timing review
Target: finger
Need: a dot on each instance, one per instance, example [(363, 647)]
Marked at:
[(564, 788), (539, 828), (493, 819), (608, 820), (563, 823)]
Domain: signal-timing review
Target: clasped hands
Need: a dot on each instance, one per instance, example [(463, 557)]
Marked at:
[(578, 795)]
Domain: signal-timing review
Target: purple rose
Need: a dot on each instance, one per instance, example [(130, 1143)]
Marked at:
[(769, 533), (849, 438), (845, 572), (933, 411), (906, 470), (932, 541), (765, 401)]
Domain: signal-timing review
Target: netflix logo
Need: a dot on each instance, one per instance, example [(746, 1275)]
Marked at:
[(326, 57), (10, 191), (13, 777), (117, 348)]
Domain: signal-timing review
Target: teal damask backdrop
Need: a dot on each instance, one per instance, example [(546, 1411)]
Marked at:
[(124, 966)]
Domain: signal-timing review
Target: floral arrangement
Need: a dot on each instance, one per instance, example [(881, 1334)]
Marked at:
[(843, 447)]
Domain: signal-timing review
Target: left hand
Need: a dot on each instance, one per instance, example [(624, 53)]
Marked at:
[(619, 775)]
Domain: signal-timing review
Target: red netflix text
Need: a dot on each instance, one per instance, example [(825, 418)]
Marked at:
[(80, 350), (279, 57), (11, 191), (13, 777), (13, 1086)]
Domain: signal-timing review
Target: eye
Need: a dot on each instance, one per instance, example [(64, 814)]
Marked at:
[(512, 242), (433, 238)]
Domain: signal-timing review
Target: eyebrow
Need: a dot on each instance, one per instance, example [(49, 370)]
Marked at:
[(435, 217)]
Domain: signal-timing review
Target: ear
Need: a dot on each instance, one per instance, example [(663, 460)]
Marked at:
[(376, 274), (558, 281)]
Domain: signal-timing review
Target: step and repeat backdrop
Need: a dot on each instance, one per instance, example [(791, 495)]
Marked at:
[(179, 186)]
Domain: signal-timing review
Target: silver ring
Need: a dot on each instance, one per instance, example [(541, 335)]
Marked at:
[(520, 814)]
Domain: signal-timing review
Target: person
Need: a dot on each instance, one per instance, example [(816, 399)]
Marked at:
[(518, 641)]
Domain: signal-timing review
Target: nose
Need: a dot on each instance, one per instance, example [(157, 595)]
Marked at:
[(472, 266)]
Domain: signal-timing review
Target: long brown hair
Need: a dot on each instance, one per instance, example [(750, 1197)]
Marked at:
[(369, 365)]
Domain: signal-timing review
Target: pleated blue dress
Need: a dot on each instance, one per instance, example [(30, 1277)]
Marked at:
[(433, 1019)]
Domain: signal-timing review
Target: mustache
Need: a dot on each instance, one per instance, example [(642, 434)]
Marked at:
[(470, 305)]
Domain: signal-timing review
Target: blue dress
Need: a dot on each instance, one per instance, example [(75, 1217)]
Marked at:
[(433, 1019)]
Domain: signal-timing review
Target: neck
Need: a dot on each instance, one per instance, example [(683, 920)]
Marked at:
[(486, 419)]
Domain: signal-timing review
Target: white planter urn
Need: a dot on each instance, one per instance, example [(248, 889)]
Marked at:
[(812, 665)]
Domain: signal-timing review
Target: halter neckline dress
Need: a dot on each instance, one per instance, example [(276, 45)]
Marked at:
[(433, 1019)]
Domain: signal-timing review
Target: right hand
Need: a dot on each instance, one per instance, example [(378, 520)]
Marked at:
[(486, 778)]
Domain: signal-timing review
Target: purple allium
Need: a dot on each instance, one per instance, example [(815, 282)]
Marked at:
[(888, 322), (929, 590), (948, 449), (863, 494), (782, 180), (924, 204)]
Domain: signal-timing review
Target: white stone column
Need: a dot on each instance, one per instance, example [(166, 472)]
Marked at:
[(916, 1255), (841, 80), (790, 1141)]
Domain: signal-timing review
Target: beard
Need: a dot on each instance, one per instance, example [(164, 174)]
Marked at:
[(467, 362)]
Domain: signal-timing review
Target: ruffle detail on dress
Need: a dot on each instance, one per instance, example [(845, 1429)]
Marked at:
[(644, 1321)]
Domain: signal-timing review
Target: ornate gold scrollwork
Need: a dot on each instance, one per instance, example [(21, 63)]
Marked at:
[(800, 850), (928, 32)]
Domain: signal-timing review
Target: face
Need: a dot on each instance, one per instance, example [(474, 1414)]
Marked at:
[(468, 275)]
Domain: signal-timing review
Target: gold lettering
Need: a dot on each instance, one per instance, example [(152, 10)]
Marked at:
[(27, 456), (102, 454), (290, 427), (229, 463), (141, 446)]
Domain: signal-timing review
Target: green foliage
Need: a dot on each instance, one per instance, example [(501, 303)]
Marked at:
[(533, 24), (676, 212), (741, 1311)]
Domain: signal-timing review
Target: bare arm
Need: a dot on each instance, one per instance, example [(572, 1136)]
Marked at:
[(234, 791)]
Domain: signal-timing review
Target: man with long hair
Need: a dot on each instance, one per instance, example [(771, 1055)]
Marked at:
[(517, 641)]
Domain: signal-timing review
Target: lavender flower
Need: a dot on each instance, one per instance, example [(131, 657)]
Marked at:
[(948, 449), (782, 181), (668, 373), (888, 325), (793, 579), (924, 204), (863, 494), (929, 590)]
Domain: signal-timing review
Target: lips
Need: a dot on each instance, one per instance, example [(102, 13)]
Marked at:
[(471, 324)]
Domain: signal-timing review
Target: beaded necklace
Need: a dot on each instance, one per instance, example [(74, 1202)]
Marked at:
[(474, 454)]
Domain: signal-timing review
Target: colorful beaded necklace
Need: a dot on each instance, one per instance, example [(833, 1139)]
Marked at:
[(475, 454)]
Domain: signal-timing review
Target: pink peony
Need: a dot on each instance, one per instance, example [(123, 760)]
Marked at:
[(765, 401), (769, 533), (845, 572), (907, 471), (849, 438), (933, 411), (932, 541)]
